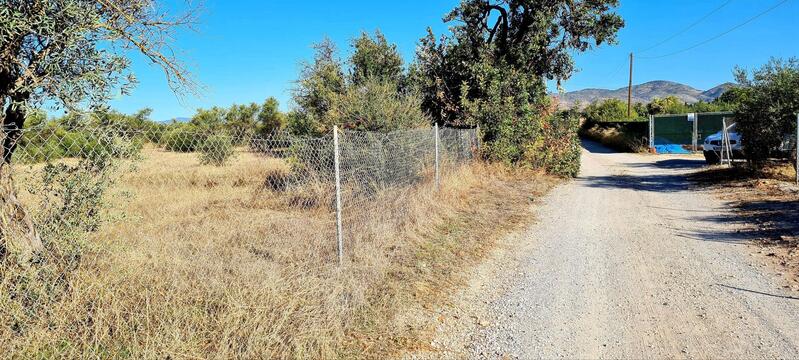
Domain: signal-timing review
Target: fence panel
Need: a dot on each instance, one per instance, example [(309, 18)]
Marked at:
[(380, 174), (673, 129), (710, 123)]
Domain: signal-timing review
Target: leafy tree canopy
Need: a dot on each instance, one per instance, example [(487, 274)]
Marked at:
[(75, 52), (608, 110), (375, 58), (491, 70), (370, 95), (270, 118), (534, 38), (768, 101)]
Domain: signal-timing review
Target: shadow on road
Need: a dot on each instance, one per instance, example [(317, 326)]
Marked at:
[(672, 164), (655, 183), (775, 218), (596, 148), (758, 292)]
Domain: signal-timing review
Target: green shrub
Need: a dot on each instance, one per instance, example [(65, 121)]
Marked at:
[(216, 150), (77, 144), (182, 138), (376, 105), (768, 104), (557, 147), (609, 110), (127, 148), (33, 152)]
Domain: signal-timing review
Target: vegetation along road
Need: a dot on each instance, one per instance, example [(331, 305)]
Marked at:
[(629, 261)]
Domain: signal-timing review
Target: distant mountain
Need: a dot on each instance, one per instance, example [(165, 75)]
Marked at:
[(177, 119), (643, 93), (717, 91)]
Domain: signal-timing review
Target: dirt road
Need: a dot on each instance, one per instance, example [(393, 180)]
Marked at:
[(628, 261)]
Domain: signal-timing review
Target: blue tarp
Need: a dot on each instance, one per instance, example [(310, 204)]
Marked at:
[(671, 149)]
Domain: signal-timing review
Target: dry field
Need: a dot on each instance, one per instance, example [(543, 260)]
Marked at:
[(211, 262)]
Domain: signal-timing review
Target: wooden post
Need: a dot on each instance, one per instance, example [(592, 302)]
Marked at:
[(630, 90)]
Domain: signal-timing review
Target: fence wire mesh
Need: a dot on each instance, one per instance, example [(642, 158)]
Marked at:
[(291, 176)]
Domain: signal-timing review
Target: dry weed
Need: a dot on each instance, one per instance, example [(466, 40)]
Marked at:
[(222, 262)]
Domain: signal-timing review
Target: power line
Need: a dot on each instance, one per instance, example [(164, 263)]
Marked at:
[(689, 27), (736, 27), (617, 70)]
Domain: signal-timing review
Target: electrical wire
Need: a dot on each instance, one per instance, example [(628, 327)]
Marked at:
[(689, 27), (736, 27)]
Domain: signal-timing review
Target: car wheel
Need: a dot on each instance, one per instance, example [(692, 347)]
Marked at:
[(712, 158)]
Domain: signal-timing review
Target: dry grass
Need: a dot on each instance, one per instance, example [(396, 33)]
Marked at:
[(216, 262)]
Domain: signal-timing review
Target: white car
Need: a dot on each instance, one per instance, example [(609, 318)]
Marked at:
[(713, 145)]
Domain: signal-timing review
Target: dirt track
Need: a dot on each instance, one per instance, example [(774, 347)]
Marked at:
[(630, 261)]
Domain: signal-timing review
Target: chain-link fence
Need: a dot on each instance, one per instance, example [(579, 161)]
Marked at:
[(340, 184), (131, 235)]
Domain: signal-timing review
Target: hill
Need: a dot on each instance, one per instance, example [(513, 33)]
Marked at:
[(644, 93)]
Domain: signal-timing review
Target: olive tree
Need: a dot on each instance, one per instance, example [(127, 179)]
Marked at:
[(375, 58), (75, 54), (491, 70), (768, 101), (270, 119)]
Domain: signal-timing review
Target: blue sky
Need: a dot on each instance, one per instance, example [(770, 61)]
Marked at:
[(246, 51)]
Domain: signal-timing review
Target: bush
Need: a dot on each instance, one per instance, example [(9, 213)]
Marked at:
[(216, 150), (609, 110), (518, 126), (376, 105), (768, 103), (182, 138), (128, 147), (81, 144), (557, 148), (30, 152), (43, 145)]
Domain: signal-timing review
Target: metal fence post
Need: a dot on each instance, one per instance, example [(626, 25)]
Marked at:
[(477, 137), (438, 179), (694, 141), (796, 145), (651, 131), (336, 161), (726, 146)]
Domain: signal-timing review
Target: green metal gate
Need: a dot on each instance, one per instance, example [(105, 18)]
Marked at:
[(686, 130)]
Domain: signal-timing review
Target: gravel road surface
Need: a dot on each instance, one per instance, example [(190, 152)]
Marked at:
[(630, 261)]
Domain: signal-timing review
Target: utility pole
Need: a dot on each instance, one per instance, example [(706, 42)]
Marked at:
[(630, 90)]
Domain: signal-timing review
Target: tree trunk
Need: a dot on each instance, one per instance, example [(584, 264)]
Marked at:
[(13, 122), (18, 236)]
